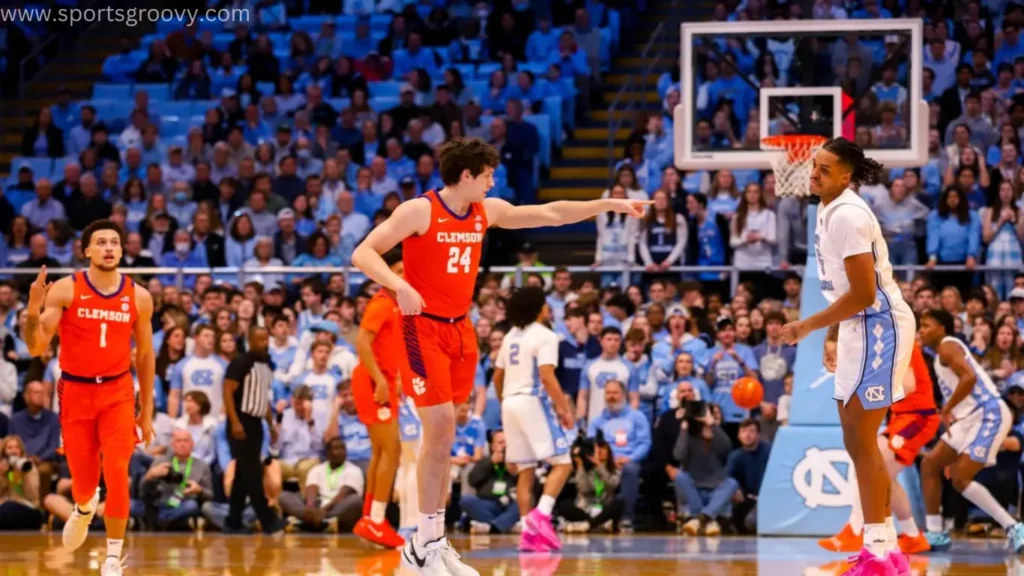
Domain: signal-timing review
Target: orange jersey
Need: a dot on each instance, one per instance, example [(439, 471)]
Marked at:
[(383, 318), (442, 263), (96, 330), (923, 396)]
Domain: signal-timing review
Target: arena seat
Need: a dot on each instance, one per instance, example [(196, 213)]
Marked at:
[(157, 92), (111, 91)]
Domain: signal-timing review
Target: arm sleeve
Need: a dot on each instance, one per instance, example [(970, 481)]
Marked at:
[(851, 228), (770, 235), (176, 378), (645, 252), (547, 354), (682, 233), (585, 376)]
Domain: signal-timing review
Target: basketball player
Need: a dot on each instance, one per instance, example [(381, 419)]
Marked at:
[(977, 421), (442, 234), (876, 335), (524, 378), (912, 425), (375, 389), (98, 312)]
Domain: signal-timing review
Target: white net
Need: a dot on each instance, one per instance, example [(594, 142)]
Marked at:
[(791, 162)]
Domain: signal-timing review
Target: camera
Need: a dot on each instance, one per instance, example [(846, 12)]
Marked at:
[(583, 448), (696, 411), (174, 477), (19, 463)]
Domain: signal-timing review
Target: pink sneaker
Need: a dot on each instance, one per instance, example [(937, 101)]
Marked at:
[(900, 563), (540, 525), (530, 542), (867, 564)]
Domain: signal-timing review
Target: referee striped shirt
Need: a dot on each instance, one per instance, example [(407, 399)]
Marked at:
[(253, 373)]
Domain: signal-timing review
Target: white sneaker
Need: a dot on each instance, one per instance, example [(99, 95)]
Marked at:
[(479, 527), (76, 529), (454, 562), (112, 567), (427, 562)]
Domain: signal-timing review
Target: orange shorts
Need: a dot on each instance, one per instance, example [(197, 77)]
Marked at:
[(909, 433), (371, 413), (441, 360)]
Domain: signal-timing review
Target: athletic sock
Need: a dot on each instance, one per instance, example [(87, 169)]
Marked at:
[(426, 529), (439, 523), (908, 527), (85, 510), (114, 548), (367, 503), (933, 523), (377, 510), (856, 520), (876, 539), (546, 505), (982, 498), (890, 534)]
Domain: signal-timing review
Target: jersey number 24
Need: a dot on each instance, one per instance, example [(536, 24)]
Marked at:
[(457, 258)]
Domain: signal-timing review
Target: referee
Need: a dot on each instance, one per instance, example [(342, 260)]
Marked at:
[(247, 403)]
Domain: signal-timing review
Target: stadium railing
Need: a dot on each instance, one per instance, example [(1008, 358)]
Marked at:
[(242, 275)]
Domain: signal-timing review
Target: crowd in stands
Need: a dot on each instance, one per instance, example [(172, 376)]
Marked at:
[(283, 141)]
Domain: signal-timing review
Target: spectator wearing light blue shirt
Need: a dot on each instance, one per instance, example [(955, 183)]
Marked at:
[(570, 59), (181, 207), (43, 209), (322, 379), (542, 42), (203, 370), (1010, 48), (358, 46), (954, 234), (610, 365), (399, 165), (65, 113), (344, 422), (182, 256), (414, 56), (240, 243), (301, 437), (354, 225), (196, 419), (726, 363), (664, 352), (628, 433), (470, 436)]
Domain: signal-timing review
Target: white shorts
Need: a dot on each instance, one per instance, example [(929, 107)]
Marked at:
[(981, 433), (873, 357), (532, 432)]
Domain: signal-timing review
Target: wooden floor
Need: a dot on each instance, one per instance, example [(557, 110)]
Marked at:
[(309, 555)]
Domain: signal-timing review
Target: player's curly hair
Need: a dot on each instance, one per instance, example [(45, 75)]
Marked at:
[(524, 306), (462, 154), (865, 170), (96, 226)]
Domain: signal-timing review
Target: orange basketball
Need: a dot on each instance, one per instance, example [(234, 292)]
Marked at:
[(747, 393)]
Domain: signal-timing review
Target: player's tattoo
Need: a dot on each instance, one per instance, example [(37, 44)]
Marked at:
[(31, 328), (833, 333)]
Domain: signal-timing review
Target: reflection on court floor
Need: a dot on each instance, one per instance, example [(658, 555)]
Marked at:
[(641, 555)]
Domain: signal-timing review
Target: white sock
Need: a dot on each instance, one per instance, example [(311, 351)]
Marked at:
[(377, 510), (85, 509), (908, 527), (982, 498), (546, 505), (933, 523), (856, 520), (890, 533), (114, 548), (426, 529), (876, 539), (439, 522)]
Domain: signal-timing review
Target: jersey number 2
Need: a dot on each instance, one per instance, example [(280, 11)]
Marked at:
[(458, 258), (513, 355), (103, 334)]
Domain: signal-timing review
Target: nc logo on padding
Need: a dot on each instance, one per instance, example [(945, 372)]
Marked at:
[(817, 466)]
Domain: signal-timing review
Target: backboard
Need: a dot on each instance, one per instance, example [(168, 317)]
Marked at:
[(741, 81)]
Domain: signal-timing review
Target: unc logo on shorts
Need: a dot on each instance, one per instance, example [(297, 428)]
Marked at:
[(419, 386), (980, 452), (817, 466), (561, 443), (874, 394)]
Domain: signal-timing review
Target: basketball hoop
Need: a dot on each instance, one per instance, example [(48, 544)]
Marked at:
[(791, 162)]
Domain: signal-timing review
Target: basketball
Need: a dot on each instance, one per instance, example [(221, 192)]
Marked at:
[(747, 393)]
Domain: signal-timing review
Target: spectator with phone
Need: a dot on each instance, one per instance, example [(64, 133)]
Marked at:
[(597, 479), (19, 488)]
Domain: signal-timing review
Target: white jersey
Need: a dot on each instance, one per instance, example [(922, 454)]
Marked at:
[(984, 390), (522, 352), (847, 227)]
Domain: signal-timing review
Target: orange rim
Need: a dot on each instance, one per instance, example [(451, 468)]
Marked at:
[(798, 146)]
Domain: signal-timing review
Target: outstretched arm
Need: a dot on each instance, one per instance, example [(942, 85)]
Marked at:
[(504, 215), (46, 303)]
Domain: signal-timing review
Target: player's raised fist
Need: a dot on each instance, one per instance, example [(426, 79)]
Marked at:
[(37, 291), (635, 208)]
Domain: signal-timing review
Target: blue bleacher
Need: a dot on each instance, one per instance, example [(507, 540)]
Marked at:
[(41, 168), (385, 89), (173, 108), (157, 92), (102, 91), (57, 172), (383, 104)]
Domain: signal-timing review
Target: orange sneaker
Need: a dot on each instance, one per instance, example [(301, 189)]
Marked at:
[(845, 541), (913, 544), (380, 534)]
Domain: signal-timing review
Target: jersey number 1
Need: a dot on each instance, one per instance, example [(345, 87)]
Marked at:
[(458, 258), (103, 334)]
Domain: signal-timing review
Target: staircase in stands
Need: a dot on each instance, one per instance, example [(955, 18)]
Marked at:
[(76, 69), (582, 172)]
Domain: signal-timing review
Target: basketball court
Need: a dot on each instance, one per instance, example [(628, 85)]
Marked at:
[(301, 555)]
